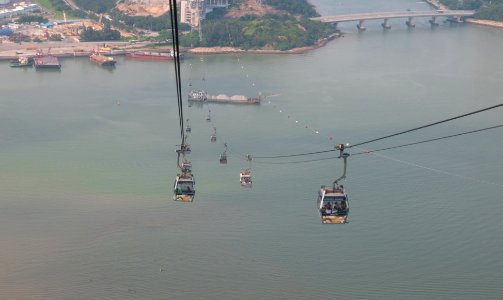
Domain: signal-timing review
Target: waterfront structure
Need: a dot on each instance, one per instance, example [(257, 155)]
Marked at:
[(18, 10), (454, 15), (194, 11)]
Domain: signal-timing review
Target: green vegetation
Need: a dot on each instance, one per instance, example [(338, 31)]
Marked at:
[(58, 7), (463, 4), (492, 12), (56, 37), (280, 32), (294, 7), (107, 34), (98, 6), (487, 9), (32, 18)]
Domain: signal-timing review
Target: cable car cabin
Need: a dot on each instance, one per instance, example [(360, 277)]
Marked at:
[(208, 118), (245, 179), (188, 129), (333, 205), (184, 187), (213, 138), (223, 158)]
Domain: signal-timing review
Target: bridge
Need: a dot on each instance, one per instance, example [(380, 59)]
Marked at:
[(454, 15)]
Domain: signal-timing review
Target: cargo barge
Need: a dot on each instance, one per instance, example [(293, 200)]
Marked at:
[(202, 96), (149, 55), (46, 61), (102, 60)]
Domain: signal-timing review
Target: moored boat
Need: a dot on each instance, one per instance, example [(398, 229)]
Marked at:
[(202, 96), (151, 55), (102, 60), (46, 61), (22, 61)]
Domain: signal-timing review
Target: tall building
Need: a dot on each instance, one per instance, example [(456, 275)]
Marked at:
[(194, 11)]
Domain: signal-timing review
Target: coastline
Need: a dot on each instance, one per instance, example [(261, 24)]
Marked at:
[(231, 50), (488, 23)]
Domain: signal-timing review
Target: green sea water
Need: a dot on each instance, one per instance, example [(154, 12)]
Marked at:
[(87, 165)]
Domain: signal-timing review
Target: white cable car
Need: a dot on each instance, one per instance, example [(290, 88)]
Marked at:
[(333, 203), (208, 118), (184, 187), (245, 178)]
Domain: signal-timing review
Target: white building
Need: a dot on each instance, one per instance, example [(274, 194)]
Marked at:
[(194, 11), (18, 10)]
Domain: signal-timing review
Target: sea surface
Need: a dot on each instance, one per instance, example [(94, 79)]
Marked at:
[(87, 164)]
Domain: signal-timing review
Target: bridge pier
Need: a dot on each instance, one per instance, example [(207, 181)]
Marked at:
[(385, 24), (410, 23), (360, 26), (433, 21)]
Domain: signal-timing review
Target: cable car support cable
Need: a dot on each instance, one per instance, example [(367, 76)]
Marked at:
[(385, 137), (384, 149)]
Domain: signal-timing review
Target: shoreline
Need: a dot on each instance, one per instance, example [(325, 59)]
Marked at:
[(9, 51), (231, 50), (487, 23)]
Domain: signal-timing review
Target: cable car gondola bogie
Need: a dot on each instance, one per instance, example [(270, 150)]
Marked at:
[(184, 149)]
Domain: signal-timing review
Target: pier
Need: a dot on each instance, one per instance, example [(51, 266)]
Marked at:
[(453, 15)]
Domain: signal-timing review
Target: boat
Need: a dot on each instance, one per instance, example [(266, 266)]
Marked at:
[(151, 55), (202, 96), (46, 61), (22, 61), (102, 60)]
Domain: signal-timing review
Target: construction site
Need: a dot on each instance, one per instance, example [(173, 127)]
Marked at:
[(144, 7)]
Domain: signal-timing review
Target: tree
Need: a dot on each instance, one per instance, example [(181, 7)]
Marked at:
[(56, 37)]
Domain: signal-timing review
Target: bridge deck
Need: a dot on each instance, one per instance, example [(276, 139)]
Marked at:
[(392, 15)]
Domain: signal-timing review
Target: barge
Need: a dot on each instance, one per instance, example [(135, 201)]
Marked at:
[(202, 96), (46, 61), (102, 60)]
